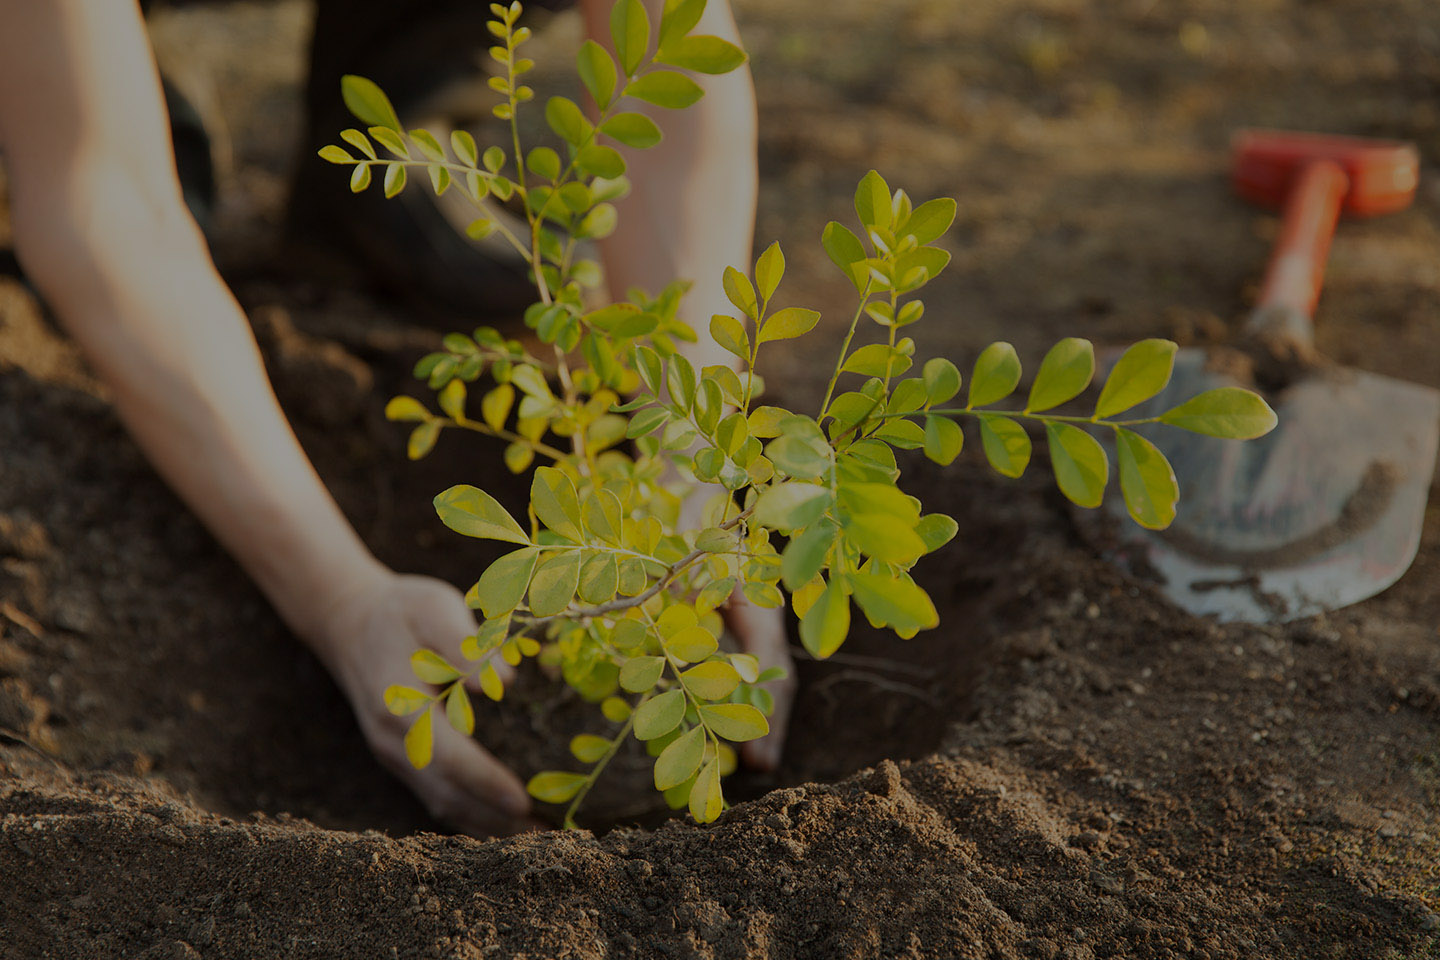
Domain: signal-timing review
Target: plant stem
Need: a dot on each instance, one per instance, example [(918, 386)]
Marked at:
[(489, 431), (1046, 418), (845, 349), (595, 771)]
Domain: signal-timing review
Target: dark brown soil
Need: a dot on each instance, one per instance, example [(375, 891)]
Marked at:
[(1067, 768)]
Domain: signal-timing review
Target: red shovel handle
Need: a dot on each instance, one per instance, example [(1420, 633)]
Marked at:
[(1282, 317)]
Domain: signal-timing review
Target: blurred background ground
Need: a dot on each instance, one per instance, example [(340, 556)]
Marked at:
[(1125, 781)]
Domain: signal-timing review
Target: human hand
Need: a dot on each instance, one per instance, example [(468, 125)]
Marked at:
[(366, 644)]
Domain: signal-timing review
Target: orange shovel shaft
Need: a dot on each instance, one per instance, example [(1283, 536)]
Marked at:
[(1297, 265)]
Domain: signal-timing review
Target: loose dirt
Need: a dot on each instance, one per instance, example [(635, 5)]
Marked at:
[(1067, 768)]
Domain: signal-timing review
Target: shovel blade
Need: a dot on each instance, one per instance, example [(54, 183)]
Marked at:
[(1322, 512)]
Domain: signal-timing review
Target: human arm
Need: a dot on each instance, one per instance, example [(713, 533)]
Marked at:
[(690, 214), (101, 229)]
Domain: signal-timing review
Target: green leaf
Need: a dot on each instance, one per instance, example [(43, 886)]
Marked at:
[(875, 360), (1146, 479), (703, 54), (565, 117), (333, 154), (826, 624), (769, 270), (640, 674), (603, 515), (615, 709), (943, 439), (942, 380), (428, 145), (630, 31), (1140, 373), (554, 584), (691, 644), (659, 715), (632, 129), (844, 250), (711, 680), (872, 201), (730, 334), (679, 18), (741, 292), (368, 102), (1228, 412), (403, 701), (791, 506), (495, 406), (894, 603), (588, 748), (665, 88), (901, 433), (599, 578), (555, 786), (1007, 445), (805, 554), (459, 711), (706, 800), (1064, 374), (996, 375), (493, 158), (930, 220), (601, 161), (679, 761), (420, 741), (881, 536), (406, 409), (1079, 462), (788, 324), (805, 458), (464, 146), (556, 505), (359, 178), (544, 163), (429, 666), (472, 512), (737, 722), (597, 72), (936, 530), (502, 586), (394, 180)]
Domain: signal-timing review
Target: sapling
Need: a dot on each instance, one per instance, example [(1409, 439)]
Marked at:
[(605, 584)]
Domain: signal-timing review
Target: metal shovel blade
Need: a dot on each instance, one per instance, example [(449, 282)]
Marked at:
[(1322, 512)]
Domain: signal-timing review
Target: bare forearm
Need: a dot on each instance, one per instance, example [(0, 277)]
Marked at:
[(165, 334)]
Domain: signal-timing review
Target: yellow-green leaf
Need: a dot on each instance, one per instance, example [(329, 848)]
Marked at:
[(490, 683), (996, 375), (711, 680), (599, 578), (826, 623), (788, 324), (1007, 445), (943, 439), (706, 800), (691, 644), (554, 584), (1063, 375), (630, 32), (659, 715), (1146, 479), (502, 586), (769, 270), (1227, 412), (942, 380), (459, 711), (405, 409), (734, 721), (893, 602), (368, 102), (640, 674), (555, 786), (420, 741), (1081, 468), (703, 54), (403, 701), (422, 440), (665, 88), (553, 498), (1140, 373), (730, 334), (679, 761), (597, 72), (474, 513), (588, 748), (430, 667), (495, 406)]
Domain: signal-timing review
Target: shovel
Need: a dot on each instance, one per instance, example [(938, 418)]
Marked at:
[(1326, 509)]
